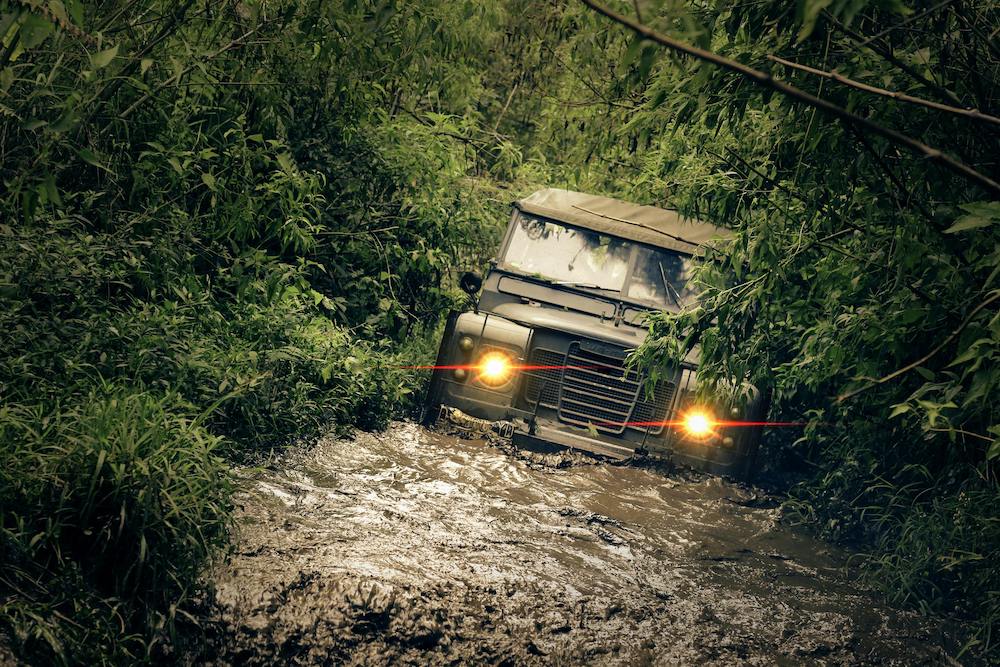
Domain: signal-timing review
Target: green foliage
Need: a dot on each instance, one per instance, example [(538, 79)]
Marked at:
[(230, 222), (117, 496), (218, 223), (861, 283)]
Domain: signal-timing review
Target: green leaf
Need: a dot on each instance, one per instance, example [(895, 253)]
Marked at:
[(987, 209), (994, 450), (104, 58), (58, 10), (967, 222), (977, 214), (209, 180), (925, 373), (90, 157), (898, 410), (633, 50), (65, 122), (75, 9), (34, 30), (809, 11)]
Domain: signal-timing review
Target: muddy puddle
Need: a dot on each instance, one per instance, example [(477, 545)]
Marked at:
[(413, 547)]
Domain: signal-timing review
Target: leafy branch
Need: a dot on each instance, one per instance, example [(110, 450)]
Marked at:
[(974, 114), (766, 80), (924, 359)]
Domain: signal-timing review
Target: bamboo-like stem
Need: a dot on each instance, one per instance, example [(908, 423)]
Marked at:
[(974, 114)]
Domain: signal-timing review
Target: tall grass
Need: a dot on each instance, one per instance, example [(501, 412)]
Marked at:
[(109, 508), (927, 536)]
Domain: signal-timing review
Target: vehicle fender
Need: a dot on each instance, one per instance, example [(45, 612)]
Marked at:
[(487, 332), (491, 330)]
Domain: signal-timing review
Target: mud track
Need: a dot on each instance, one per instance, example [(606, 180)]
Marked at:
[(413, 547)]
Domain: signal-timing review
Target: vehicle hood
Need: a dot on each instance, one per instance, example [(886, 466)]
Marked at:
[(573, 323)]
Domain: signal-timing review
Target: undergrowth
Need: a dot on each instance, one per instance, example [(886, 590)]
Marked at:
[(198, 266)]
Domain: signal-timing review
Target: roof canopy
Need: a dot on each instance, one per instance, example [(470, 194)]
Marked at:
[(646, 224)]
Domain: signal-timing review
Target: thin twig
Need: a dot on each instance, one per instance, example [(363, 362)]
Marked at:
[(975, 114), (765, 80), (922, 360), (907, 20), (506, 105), (964, 432)]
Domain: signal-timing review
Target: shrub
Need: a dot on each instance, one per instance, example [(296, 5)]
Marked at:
[(109, 508)]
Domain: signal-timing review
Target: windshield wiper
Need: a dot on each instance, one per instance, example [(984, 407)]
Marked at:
[(668, 288), (570, 283)]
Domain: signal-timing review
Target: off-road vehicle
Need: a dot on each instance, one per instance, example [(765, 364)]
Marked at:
[(541, 356)]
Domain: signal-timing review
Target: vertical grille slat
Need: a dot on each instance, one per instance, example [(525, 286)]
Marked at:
[(543, 384), (594, 389)]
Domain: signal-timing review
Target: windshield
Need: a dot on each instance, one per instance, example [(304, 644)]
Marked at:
[(569, 255)]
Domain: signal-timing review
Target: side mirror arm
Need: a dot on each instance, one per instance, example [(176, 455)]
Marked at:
[(471, 283)]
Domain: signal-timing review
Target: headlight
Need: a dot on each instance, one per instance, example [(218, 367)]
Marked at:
[(698, 423), (495, 369)]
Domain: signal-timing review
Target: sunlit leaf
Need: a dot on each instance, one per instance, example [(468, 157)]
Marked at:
[(103, 58)]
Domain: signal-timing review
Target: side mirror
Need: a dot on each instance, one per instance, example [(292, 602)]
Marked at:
[(470, 283)]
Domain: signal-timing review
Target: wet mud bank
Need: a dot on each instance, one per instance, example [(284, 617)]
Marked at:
[(413, 547)]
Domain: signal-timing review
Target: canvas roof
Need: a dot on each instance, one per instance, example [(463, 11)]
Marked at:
[(646, 224)]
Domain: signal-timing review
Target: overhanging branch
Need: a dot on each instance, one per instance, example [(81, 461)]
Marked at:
[(765, 80), (974, 114)]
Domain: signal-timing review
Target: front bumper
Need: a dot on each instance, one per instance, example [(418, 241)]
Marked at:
[(542, 436), (734, 461)]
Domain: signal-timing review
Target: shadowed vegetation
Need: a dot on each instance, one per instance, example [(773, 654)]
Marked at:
[(222, 225)]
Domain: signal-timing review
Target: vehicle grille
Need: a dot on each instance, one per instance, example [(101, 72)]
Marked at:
[(594, 390), (654, 410), (543, 383)]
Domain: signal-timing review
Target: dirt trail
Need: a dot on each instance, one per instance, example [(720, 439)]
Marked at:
[(413, 547)]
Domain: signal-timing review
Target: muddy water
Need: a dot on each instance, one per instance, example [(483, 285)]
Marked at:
[(413, 547)]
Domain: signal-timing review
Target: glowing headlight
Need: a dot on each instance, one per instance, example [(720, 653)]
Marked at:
[(495, 368), (698, 423)]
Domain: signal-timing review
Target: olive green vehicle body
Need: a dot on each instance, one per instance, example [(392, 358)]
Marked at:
[(574, 389)]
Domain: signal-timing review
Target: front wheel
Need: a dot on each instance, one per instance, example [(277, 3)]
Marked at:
[(432, 403)]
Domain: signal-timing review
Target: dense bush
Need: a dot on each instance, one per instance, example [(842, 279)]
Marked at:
[(222, 223), (118, 496), (214, 238), (861, 285)]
